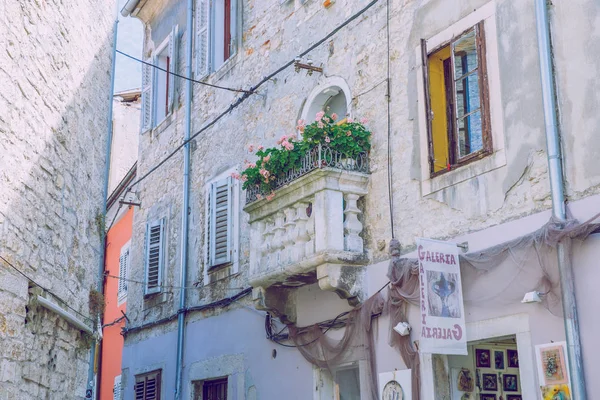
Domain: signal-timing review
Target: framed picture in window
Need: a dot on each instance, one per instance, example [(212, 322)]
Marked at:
[(487, 397), (510, 383), (499, 359), (514, 397), (490, 382), (512, 358), (482, 358)]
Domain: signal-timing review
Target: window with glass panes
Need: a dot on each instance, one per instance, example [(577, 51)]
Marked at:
[(457, 101)]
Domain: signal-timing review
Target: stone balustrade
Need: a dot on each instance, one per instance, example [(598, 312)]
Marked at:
[(311, 231)]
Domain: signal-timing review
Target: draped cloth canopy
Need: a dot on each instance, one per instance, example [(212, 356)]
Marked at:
[(495, 277)]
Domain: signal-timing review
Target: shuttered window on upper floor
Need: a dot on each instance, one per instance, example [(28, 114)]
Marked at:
[(124, 262), (219, 218), (155, 232), (147, 386)]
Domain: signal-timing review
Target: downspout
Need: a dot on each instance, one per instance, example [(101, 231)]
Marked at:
[(185, 206), (555, 168), (92, 386)]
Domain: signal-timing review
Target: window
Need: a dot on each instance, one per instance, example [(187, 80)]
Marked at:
[(214, 389), (117, 388), (124, 262), (347, 384), (158, 84), (457, 105), (216, 34), (147, 386), (154, 256), (219, 227)]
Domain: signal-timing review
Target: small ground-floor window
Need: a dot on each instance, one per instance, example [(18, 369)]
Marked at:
[(212, 389), (489, 372)]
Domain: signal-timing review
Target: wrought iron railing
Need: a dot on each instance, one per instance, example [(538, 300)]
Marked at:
[(318, 157)]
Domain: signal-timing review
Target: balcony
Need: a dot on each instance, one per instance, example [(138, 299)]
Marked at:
[(309, 232)]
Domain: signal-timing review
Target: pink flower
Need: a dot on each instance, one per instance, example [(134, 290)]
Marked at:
[(282, 139), (349, 120), (348, 133), (301, 123), (266, 159), (363, 120), (244, 178), (327, 139), (260, 148), (264, 173), (235, 175), (334, 116), (288, 146), (259, 196), (270, 196), (320, 115), (250, 165), (326, 119), (251, 148), (320, 125)]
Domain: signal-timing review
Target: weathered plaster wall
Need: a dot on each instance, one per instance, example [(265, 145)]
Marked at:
[(54, 74)]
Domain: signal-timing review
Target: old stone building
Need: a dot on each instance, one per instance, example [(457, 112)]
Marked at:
[(461, 165), (54, 101)]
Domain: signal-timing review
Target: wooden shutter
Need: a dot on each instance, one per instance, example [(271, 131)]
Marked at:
[(219, 228), (147, 387), (202, 37), (173, 55), (154, 256), (117, 388), (123, 272), (147, 78), (427, 102)]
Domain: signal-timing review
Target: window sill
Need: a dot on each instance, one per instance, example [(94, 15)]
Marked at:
[(223, 70), (463, 173), (162, 125), (154, 299)]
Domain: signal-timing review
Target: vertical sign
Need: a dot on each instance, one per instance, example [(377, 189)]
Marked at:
[(442, 310)]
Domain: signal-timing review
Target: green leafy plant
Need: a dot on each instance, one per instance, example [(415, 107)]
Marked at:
[(347, 137)]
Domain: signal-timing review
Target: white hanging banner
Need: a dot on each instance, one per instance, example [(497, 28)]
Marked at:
[(442, 311)]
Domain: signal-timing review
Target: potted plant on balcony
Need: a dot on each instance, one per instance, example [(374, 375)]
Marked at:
[(325, 142)]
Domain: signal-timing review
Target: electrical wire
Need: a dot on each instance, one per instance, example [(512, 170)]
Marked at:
[(46, 290), (195, 286), (182, 76), (253, 89)]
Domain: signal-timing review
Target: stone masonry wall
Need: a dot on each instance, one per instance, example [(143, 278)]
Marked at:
[(55, 86), (274, 33)]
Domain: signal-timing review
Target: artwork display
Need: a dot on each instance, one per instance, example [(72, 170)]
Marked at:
[(554, 392), (499, 359), (514, 397), (553, 365), (512, 358), (511, 383), (465, 381), (442, 311), (393, 391), (490, 382), (487, 397), (482, 356)]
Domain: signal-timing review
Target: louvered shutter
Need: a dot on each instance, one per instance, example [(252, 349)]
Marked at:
[(173, 54), (202, 32), (123, 272), (147, 78), (427, 101), (147, 387), (219, 230), (117, 388), (154, 256)]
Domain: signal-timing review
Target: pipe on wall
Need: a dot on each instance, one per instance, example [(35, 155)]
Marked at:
[(67, 316), (185, 205), (555, 170)]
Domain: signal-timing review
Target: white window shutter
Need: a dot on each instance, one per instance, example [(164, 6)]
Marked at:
[(233, 27), (117, 388), (154, 256), (147, 78), (202, 38), (124, 262), (220, 225), (173, 55)]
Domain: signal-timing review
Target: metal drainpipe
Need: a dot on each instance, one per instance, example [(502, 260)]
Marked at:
[(185, 207), (555, 169), (92, 387)]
